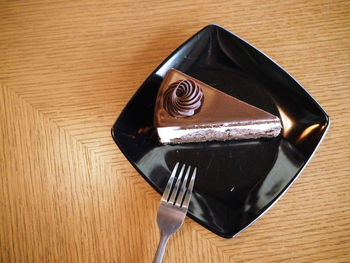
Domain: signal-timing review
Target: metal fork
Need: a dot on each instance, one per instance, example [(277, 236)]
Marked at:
[(173, 207)]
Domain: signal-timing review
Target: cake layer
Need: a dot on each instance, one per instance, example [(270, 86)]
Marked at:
[(223, 133)]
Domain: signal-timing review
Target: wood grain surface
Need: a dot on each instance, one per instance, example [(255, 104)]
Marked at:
[(67, 69)]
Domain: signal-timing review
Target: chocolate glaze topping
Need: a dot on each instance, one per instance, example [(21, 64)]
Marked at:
[(183, 98)]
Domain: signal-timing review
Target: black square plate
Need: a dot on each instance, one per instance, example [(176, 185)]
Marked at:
[(237, 181)]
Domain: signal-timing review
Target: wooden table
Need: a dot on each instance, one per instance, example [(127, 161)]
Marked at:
[(68, 68)]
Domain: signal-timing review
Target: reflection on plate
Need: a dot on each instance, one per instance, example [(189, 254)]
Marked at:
[(237, 181)]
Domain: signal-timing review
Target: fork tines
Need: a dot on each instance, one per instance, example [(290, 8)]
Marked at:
[(172, 194)]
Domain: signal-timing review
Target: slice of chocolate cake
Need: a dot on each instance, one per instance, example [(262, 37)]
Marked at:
[(188, 110)]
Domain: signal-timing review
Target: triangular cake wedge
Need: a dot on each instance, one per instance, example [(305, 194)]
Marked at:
[(188, 110)]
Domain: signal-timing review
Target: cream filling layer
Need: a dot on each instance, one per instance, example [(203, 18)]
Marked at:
[(168, 134)]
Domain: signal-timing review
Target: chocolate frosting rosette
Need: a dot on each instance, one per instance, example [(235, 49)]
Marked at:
[(183, 98)]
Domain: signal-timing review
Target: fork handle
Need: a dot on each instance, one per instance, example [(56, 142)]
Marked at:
[(161, 248)]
